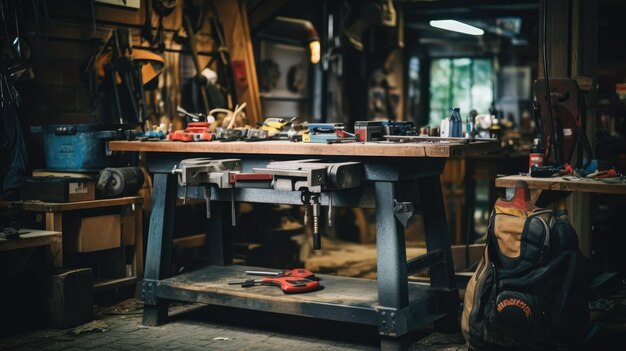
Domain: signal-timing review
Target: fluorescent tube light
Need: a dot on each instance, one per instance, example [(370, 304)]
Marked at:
[(457, 26)]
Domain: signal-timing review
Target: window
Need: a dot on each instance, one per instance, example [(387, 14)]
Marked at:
[(460, 82)]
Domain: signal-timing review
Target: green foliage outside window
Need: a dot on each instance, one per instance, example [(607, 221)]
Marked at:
[(466, 83)]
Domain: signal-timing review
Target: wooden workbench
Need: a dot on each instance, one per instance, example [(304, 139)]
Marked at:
[(555, 187), (279, 147), (55, 212), (569, 184), (403, 172), (30, 239)]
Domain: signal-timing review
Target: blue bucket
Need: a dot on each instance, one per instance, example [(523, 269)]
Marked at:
[(78, 147)]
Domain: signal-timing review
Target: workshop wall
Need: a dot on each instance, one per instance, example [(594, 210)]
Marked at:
[(63, 36)]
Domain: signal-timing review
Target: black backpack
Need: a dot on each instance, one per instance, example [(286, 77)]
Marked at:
[(530, 289)]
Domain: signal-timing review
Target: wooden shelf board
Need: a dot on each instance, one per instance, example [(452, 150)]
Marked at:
[(570, 184), (345, 296), (79, 205), (106, 284), (280, 147)]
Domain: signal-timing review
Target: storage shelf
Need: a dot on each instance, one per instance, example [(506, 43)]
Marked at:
[(107, 284), (78, 205), (351, 299)]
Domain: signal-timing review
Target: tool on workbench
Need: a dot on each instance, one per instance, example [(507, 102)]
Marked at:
[(243, 134), (377, 130), (550, 171), (293, 273), (322, 132), (311, 178), (297, 132), (369, 130), (399, 128), (195, 131), (198, 127), (223, 174), (276, 128), (288, 285)]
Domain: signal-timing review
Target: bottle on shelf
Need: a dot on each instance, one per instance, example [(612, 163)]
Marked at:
[(470, 127), (494, 129), (535, 156), (456, 123)]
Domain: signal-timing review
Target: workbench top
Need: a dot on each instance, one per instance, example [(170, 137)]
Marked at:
[(567, 183), (280, 147)]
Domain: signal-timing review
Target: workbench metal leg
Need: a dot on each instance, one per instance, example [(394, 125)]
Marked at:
[(401, 343), (393, 294), (159, 249), (438, 238), (219, 244)]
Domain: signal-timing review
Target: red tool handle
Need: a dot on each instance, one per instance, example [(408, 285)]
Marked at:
[(294, 273), (242, 177), (290, 285), (300, 273)]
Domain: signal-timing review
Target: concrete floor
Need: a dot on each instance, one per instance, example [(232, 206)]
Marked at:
[(199, 327)]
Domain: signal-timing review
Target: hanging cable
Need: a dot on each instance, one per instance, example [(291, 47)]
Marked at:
[(546, 79)]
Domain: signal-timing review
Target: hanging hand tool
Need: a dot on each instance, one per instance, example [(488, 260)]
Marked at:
[(293, 273), (288, 285), (191, 45), (317, 209), (225, 71)]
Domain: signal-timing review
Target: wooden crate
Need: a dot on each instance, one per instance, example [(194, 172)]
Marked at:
[(88, 234)]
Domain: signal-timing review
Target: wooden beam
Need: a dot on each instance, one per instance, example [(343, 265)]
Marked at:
[(572, 51), (234, 19), (558, 38), (190, 241)]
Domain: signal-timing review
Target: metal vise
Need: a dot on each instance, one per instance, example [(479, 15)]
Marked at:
[(204, 171), (312, 177), (220, 173)]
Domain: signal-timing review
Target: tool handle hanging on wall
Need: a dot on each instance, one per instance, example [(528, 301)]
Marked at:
[(225, 70), (191, 43)]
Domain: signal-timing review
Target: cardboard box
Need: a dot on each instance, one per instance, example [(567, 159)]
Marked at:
[(88, 234), (58, 189), (70, 298)]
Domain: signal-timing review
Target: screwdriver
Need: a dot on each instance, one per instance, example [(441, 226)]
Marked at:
[(287, 285), (294, 273)]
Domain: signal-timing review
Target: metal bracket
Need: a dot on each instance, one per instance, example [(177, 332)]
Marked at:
[(392, 322), (403, 211), (148, 291)]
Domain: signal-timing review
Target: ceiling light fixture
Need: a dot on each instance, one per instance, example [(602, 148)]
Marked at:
[(457, 26)]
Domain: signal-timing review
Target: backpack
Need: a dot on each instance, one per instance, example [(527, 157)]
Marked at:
[(529, 292)]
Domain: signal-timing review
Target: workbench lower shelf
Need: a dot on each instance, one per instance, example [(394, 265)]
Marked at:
[(342, 299)]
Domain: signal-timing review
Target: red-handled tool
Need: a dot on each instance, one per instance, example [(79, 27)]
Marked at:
[(287, 284), (294, 273)]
